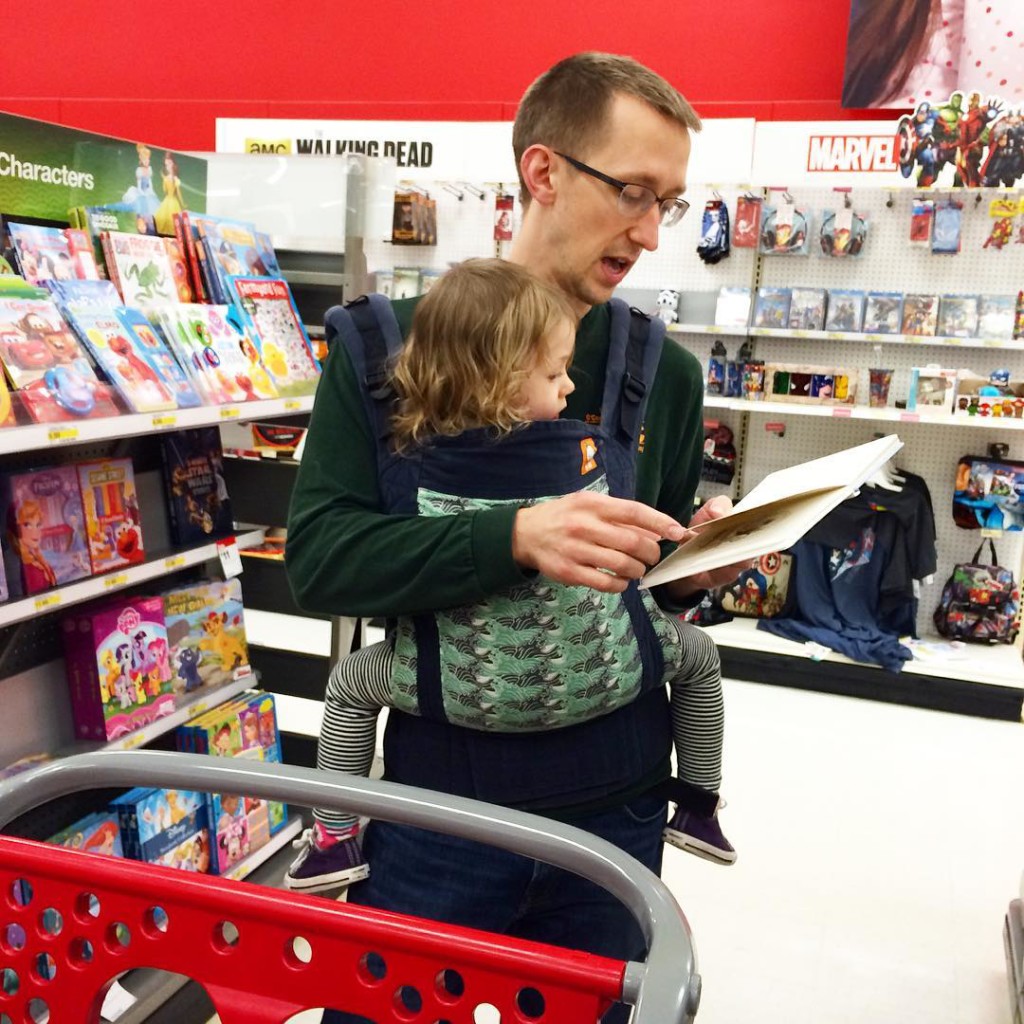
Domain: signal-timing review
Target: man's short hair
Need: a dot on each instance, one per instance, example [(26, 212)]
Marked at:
[(567, 107)]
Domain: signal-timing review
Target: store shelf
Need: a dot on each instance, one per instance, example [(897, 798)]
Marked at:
[(987, 681), (188, 707), (706, 329), (99, 586), (1016, 345), (56, 435), (1013, 945), (1010, 344), (862, 412)]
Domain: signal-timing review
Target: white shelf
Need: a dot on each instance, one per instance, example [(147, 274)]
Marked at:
[(995, 665), (1016, 345), (862, 412), (706, 329), (55, 435), (1011, 344), (98, 586)]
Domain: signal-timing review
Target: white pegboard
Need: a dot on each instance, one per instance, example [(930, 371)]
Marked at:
[(465, 228)]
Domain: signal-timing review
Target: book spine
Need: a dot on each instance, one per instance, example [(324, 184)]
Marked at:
[(183, 231), (110, 262)]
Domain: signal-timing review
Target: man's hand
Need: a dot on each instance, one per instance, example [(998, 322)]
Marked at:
[(681, 589), (592, 540)]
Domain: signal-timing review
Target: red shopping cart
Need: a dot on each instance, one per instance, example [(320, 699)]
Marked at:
[(72, 922)]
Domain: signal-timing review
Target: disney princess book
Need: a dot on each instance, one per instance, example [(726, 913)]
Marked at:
[(777, 512)]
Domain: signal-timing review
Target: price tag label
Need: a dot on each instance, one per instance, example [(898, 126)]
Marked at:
[(165, 419), (48, 601), (910, 417), (800, 334), (230, 412), (842, 411), (119, 579), (61, 435), (135, 739), (994, 534), (230, 559), (993, 343), (174, 562), (291, 404), (836, 335), (714, 329), (198, 708)]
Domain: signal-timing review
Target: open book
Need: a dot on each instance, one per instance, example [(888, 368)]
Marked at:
[(777, 512)]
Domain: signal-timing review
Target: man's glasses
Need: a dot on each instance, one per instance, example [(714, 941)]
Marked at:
[(636, 200)]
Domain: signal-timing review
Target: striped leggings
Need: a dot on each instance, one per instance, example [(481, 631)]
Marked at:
[(359, 687)]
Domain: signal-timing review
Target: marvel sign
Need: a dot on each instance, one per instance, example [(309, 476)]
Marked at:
[(849, 153)]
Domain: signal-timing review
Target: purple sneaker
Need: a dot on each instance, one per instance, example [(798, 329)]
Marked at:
[(700, 835), (321, 865)]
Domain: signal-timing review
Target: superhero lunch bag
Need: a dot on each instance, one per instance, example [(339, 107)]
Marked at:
[(979, 603)]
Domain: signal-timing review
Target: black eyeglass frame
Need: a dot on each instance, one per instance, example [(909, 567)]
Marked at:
[(667, 205)]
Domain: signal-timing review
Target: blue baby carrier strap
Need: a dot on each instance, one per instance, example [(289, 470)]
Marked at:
[(369, 330)]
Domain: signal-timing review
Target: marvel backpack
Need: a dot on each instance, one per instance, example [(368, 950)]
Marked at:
[(979, 603)]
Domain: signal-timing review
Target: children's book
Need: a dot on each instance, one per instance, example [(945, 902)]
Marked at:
[(777, 512), (958, 316), (140, 268), (14, 286), (47, 253), (271, 321), (125, 358), (179, 269), (845, 311), (772, 308), (920, 314), (883, 313), (230, 247), (94, 220), (228, 359), (101, 294), (35, 339), (111, 507), (197, 496), (118, 674), (995, 316), (164, 826), (206, 634), (44, 526)]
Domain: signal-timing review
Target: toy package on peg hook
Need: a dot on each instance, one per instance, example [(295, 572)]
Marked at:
[(714, 231), (843, 232), (748, 222), (785, 230), (922, 215), (946, 232)]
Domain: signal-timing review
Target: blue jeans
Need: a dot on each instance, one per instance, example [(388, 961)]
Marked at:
[(444, 878)]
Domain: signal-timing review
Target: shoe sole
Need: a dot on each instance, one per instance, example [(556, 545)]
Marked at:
[(322, 883), (697, 848)]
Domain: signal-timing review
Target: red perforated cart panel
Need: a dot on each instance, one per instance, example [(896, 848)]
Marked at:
[(71, 922)]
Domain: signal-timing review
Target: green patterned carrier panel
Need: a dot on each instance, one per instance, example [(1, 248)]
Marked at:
[(540, 655)]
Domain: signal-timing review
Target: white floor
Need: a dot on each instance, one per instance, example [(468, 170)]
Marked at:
[(878, 846)]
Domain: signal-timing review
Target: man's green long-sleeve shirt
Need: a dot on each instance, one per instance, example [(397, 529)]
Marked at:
[(345, 556)]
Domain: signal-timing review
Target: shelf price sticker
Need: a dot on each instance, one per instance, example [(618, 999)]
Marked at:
[(230, 412), (230, 559), (165, 419), (118, 579), (174, 562), (48, 601), (133, 740), (910, 417), (842, 411), (993, 534), (62, 435), (292, 404)]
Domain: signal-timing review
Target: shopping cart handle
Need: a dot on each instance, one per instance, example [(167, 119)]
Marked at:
[(665, 989)]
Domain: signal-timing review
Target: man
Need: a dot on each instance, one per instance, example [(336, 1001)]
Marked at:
[(602, 145)]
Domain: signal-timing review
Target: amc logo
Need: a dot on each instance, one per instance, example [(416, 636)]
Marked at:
[(268, 146)]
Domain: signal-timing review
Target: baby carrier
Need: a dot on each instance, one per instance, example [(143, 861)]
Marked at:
[(539, 655)]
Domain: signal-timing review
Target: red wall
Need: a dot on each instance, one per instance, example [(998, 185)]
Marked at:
[(163, 73)]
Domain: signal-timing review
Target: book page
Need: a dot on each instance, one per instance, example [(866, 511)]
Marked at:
[(848, 468), (776, 513)]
